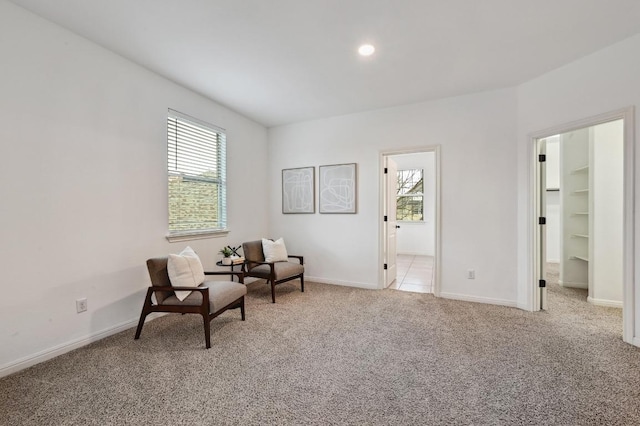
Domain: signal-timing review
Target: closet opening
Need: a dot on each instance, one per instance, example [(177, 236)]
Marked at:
[(583, 221)]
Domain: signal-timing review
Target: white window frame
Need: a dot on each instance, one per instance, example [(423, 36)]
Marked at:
[(415, 194), (203, 149)]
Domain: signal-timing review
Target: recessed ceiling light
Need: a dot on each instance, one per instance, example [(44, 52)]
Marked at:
[(366, 50)]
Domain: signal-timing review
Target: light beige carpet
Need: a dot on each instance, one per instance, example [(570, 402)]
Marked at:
[(338, 355)]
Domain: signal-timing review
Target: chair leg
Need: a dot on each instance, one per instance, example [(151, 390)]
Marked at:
[(302, 283), (143, 315), (242, 308), (273, 291), (146, 310), (207, 330)]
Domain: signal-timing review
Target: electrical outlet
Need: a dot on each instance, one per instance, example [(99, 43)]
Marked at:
[(81, 305), (471, 274)]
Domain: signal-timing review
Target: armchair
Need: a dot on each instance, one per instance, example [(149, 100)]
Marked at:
[(274, 272), (209, 299)]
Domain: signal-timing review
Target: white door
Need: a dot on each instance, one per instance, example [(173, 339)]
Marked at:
[(390, 225), (542, 229)]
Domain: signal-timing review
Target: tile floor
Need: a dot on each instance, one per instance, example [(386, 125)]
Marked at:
[(415, 273)]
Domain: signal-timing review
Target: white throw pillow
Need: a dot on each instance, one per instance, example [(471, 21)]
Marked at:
[(274, 251), (185, 270)]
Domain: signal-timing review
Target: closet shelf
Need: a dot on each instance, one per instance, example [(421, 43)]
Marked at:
[(580, 169), (575, 206), (585, 259)]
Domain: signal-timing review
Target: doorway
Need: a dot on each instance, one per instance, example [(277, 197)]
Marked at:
[(410, 194), (583, 188)]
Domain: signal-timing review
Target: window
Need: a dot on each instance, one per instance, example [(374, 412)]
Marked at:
[(410, 199), (197, 177)]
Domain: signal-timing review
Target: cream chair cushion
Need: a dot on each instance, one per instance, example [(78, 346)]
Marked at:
[(274, 251), (280, 269), (185, 270), (221, 293)]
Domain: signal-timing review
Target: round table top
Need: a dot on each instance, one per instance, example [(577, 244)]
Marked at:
[(219, 263)]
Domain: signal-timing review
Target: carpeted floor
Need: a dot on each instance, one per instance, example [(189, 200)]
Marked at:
[(338, 355)]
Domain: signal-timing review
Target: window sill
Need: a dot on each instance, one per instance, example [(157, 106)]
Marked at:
[(196, 235)]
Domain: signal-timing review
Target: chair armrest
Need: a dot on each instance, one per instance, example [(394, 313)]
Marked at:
[(204, 290), (300, 258), (259, 262), (172, 288), (239, 274)]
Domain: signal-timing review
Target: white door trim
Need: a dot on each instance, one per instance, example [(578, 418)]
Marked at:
[(391, 224), (630, 283), (381, 197)]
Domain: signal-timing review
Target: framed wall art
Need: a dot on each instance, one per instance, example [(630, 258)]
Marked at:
[(298, 190), (338, 188)]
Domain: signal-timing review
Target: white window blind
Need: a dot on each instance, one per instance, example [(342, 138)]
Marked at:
[(197, 176)]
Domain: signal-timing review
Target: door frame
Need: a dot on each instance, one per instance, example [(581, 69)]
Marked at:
[(541, 234), (437, 211), (629, 282), (391, 223)]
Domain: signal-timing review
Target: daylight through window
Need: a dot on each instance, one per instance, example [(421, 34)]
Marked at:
[(197, 176), (410, 199)]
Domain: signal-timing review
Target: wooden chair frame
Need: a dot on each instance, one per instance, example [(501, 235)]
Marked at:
[(272, 274), (202, 309)]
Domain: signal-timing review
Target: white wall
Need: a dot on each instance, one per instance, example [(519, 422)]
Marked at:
[(84, 203), (574, 155), (601, 82), (607, 233), (418, 238), (553, 199), (553, 162), (553, 226), (476, 133)]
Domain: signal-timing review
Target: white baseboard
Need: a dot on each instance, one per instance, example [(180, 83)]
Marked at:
[(605, 302), (369, 286), (47, 354), (636, 341), (525, 307), (584, 286), (479, 299)]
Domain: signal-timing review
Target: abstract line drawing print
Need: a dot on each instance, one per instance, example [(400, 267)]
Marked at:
[(298, 190), (338, 188)]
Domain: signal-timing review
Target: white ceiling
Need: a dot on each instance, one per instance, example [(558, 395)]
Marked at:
[(283, 61)]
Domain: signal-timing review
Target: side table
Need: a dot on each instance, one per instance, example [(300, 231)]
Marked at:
[(232, 266)]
